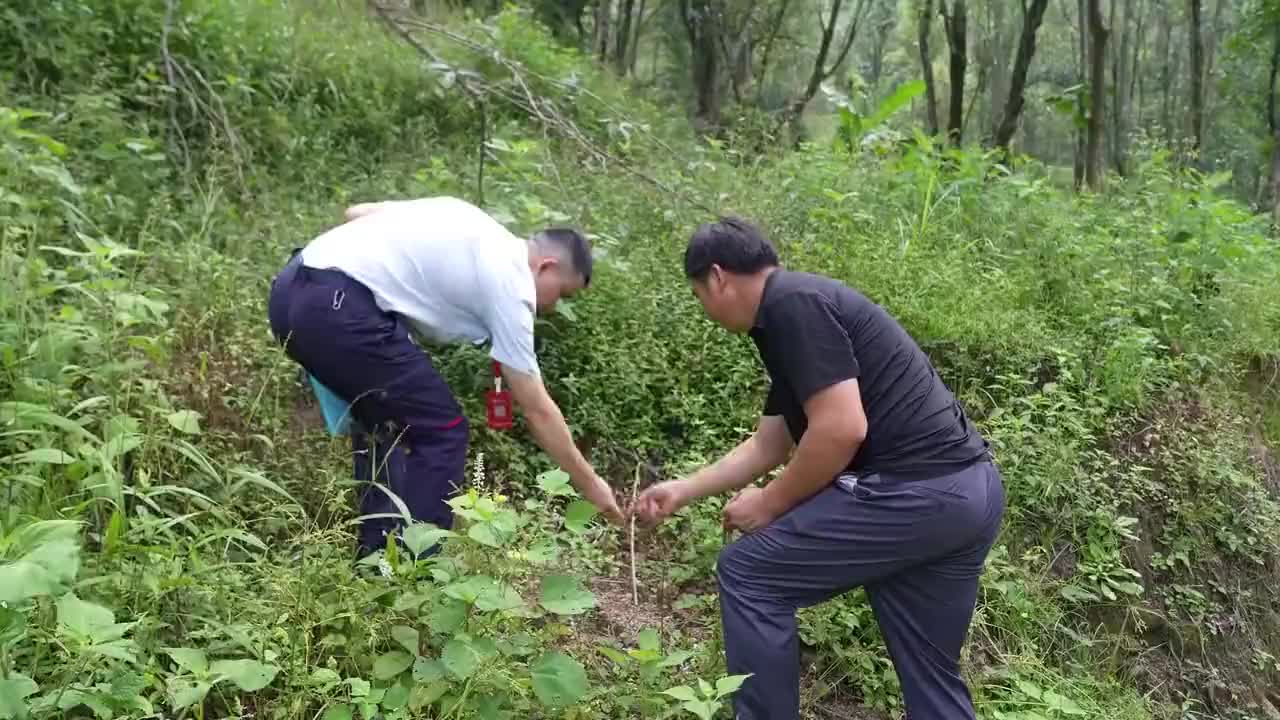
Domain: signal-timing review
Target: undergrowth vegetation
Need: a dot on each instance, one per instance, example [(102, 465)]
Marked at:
[(176, 537)]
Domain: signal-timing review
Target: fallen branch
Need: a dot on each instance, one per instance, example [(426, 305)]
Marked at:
[(541, 109)]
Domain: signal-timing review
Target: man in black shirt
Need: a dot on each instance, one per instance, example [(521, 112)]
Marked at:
[(886, 484)]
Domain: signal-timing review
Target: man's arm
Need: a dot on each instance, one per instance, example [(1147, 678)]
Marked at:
[(548, 427), (837, 428), (765, 450)]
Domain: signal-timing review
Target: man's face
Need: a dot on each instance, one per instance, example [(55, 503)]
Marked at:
[(553, 282), (717, 299)]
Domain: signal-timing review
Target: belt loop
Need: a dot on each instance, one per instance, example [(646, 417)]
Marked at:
[(338, 297)]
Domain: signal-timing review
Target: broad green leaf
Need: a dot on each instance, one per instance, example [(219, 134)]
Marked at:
[(248, 675), (396, 697), (189, 659), (1074, 593), (558, 680), (460, 659), (578, 515), (565, 595), (359, 687), (500, 597), (1029, 689), (185, 421), (324, 677), (484, 534), (118, 649), (407, 638), (46, 570), (337, 712), (447, 616), (471, 589), (729, 684), (14, 692), (41, 456), (425, 694), (82, 617), (616, 656), (420, 537), (426, 670), (675, 658), (649, 639), (705, 687), (683, 693), (705, 709), (184, 693), (1129, 588), (391, 664), (555, 483), (544, 552)]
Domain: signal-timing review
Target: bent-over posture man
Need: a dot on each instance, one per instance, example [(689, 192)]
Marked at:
[(345, 304), (889, 487)]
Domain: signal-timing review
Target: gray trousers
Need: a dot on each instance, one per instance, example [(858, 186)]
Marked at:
[(916, 546)]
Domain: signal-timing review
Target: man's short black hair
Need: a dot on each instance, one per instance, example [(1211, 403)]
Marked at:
[(573, 243), (732, 243)]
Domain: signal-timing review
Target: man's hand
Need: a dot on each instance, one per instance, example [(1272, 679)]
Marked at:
[(749, 511), (658, 502), (548, 427), (599, 493)]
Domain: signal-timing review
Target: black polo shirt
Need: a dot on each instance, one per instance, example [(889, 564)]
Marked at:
[(813, 332)]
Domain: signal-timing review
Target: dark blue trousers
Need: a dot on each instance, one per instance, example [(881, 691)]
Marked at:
[(410, 435), (917, 547)]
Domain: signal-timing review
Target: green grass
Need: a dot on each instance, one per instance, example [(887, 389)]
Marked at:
[(206, 568)]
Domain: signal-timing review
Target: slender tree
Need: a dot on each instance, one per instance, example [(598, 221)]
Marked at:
[(1197, 75), (956, 23), (1094, 170), (821, 71), (1032, 18), (926, 65)]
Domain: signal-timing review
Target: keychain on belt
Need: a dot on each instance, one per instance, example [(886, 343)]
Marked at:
[(498, 402)]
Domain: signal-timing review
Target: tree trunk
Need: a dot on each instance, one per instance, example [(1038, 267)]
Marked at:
[(1208, 54), (956, 25), (604, 16), (1133, 116), (1094, 169), (1022, 63), (1082, 149), (775, 26), (1119, 138), (623, 42), (1166, 74), (1273, 121), (1197, 77), (879, 43), (740, 71), (926, 66), (999, 82), (700, 22), (820, 70), (633, 45)]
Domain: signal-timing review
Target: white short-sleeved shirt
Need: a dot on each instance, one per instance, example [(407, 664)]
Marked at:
[(455, 273)]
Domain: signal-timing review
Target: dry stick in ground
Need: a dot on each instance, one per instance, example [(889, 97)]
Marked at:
[(635, 583)]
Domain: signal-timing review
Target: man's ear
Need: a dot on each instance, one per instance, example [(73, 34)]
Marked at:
[(548, 262)]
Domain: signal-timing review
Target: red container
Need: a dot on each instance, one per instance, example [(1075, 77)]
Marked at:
[(498, 405)]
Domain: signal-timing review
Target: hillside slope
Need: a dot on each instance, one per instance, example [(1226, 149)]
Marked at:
[(178, 528)]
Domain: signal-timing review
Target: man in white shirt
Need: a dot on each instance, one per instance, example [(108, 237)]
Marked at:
[(345, 304)]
